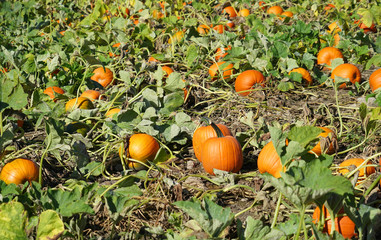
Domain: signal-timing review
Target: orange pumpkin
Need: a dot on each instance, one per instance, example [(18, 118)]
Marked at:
[(167, 71), (260, 3), (52, 91), (80, 102), (329, 7), (277, 10), (103, 76), (226, 72), (91, 94), (230, 24), (230, 11), (334, 27), (220, 28), (327, 54), (366, 29), (285, 15), (246, 81), (327, 133), (269, 161), (110, 113), (343, 224), (177, 37), (204, 133), (375, 80), (222, 153), (203, 29), (349, 71), (244, 12), (141, 147), (356, 161), (19, 171), (221, 52), (305, 74)]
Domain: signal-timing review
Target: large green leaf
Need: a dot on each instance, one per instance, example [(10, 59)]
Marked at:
[(12, 221), (50, 225), (255, 229)]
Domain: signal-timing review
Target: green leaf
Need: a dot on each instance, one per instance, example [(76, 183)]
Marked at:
[(151, 96), (13, 219), (213, 219), (171, 132), (191, 54), (12, 94), (304, 134), (174, 82), (50, 225), (285, 86)]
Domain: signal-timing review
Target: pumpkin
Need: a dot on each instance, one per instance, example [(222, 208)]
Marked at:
[(167, 71), (260, 3), (230, 24), (285, 15), (375, 80), (204, 133), (244, 12), (334, 28), (329, 7), (221, 52), (366, 29), (19, 171), (327, 54), (269, 160), (305, 75), (343, 224), (347, 70), (80, 102), (52, 91), (277, 10), (77, 127), (203, 29), (103, 76), (91, 94), (246, 80), (110, 113), (220, 28), (356, 161), (230, 11), (157, 14), (327, 133), (177, 37), (222, 153), (226, 72), (141, 147)]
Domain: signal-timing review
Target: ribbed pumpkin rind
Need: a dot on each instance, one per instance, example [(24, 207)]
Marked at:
[(19, 171)]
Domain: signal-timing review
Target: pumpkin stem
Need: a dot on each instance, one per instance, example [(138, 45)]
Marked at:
[(205, 120), (217, 130)]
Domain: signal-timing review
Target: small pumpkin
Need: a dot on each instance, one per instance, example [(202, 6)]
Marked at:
[(246, 80), (286, 14), (244, 12), (327, 54), (103, 76), (226, 71), (203, 29), (375, 80), (367, 29), (334, 27), (204, 133), (331, 136), (277, 10), (19, 171), (80, 102), (220, 28), (222, 52), (141, 147), (222, 153), (230, 11), (343, 224), (261, 4), (110, 113), (177, 37), (53, 91), (343, 167), (305, 75), (347, 70), (91, 94), (329, 7), (167, 71), (269, 161)]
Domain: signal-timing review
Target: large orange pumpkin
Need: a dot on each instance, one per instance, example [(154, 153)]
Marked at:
[(52, 91), (269, 160), (80, 102), (230, 11), (141, 147), (103, 76), (375, 80), (343, 224), (244, 12), (220, 28), (204, 133), (222, 153), (356, 161), (91, 94), (327, 133), (227, 71), (277, 10), (246, 80), (347, 70), (203, 29), (305, 75), (110, 113), (327, 54), (19, 171)]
